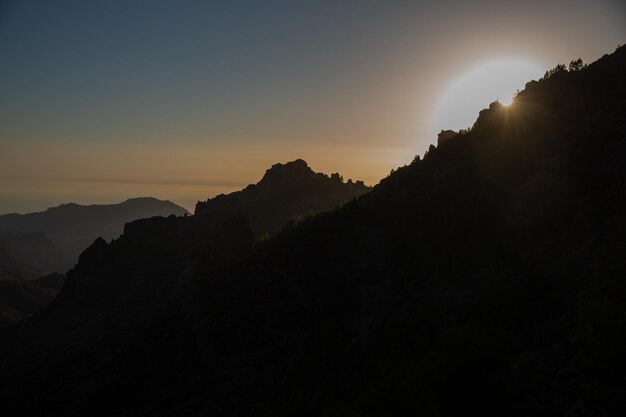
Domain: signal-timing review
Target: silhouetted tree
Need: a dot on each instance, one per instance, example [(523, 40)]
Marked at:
[(555, 70), (336, 177), (576, 65)]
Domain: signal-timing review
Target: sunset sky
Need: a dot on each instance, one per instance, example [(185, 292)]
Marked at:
[(182, 100)]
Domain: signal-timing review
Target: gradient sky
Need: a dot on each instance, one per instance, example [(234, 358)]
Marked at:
[(182, 100)]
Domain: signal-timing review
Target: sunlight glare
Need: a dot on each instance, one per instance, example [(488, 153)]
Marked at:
[(506, 101), (477, 88)]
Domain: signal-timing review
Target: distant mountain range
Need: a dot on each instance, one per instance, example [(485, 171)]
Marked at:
[(50, 241), (36, 249), (486, 278)]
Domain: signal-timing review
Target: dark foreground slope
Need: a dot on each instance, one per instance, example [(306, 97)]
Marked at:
[(486, 279)]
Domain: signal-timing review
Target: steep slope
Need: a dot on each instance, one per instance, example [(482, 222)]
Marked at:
[(285, 191), (54, 238), (486, 279)]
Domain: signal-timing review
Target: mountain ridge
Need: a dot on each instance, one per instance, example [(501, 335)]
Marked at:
[(284, 191), (130, 200)]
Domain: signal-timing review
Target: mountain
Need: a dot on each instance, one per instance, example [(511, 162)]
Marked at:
[(285, 191), (148, 271), (484, 279), (52, 240)]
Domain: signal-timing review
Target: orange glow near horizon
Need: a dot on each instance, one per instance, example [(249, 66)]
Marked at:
[(183, 175)]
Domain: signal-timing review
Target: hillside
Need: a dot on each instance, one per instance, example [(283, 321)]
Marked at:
[(484, 279)]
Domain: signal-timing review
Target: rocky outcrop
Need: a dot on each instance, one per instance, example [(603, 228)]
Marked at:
[(286, 191)]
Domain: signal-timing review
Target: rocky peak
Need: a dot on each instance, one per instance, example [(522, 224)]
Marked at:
[(290, 171), (445, 136)]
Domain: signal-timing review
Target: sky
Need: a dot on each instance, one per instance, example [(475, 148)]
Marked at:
[(182, 100)]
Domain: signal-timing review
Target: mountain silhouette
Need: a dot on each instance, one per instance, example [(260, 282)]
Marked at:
[(33, 246), (171, 245), (285, 191), (50, 241), (484, 279)]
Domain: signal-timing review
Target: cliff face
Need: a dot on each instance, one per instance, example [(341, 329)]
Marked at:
[(285, 191)]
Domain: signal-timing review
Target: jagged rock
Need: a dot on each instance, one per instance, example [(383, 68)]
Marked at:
[(445, 136), (285, 191)]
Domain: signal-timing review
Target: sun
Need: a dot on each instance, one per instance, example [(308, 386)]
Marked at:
[(506, 100), (476, 88)]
